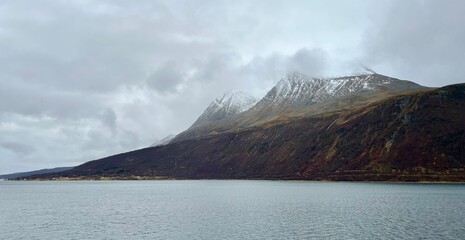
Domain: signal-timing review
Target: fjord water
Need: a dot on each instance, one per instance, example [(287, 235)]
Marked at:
[(230, 209)]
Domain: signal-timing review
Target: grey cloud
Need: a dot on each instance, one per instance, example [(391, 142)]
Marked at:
[(18, 148), (217, 67), (128, 139), (309, 61), (420, 40), (79, 47), (109, 118), (17, 96), (167, 77)]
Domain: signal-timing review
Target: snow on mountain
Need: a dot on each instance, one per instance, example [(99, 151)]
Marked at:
[(298, 89), (292, 92), (164, 141), (230, 104)]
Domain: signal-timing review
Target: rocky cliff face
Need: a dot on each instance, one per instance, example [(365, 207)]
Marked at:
[(410, 137)]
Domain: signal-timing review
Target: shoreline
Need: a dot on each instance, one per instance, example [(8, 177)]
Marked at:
[(109, 179)]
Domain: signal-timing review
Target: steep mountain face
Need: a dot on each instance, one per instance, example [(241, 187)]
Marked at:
[(227, 106), (416, 136), (299, 90)]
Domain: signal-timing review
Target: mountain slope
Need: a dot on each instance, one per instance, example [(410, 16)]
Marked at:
[(163, 141), (229, 105), (412, 137), (222, 110)]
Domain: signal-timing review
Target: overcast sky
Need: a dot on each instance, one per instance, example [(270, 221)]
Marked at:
[(80, 80)]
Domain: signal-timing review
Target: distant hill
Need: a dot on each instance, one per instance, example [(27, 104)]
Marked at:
[(27, 174)]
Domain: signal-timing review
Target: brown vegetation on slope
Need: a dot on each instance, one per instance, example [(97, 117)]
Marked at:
[(414, 137)]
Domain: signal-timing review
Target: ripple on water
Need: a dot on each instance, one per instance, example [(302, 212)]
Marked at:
[(230, 209)]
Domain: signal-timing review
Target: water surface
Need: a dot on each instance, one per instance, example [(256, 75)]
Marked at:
[(230, 209)]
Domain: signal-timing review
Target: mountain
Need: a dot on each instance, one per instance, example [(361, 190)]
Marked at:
[(297, 95), (227, 106), (163, 141), (406, 135), (27, 174), (300, 90)]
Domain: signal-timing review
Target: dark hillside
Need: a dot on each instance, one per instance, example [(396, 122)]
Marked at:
[(413, 137)]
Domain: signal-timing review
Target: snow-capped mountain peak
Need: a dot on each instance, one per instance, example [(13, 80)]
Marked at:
[(292, 82), (234, 101), (299, 89), (226, 106)]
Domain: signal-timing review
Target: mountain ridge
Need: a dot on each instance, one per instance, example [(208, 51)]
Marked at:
[(298, 91), (414, 135)]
